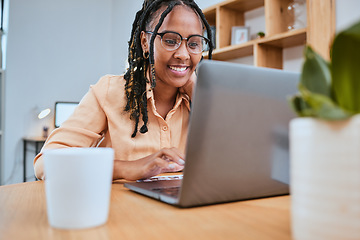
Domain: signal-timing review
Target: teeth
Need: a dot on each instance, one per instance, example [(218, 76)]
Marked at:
[(178, 69)]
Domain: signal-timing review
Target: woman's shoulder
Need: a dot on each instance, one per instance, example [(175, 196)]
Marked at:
[(108, 81), (110, 88)]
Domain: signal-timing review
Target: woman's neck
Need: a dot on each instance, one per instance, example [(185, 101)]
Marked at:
[(165, 97)]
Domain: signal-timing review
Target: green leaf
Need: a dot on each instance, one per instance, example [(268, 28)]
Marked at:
[(346, 69), (316, 74), (301, 108), (322, 106)]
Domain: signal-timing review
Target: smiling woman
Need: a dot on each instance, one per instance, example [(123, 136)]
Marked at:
[(154, 17), (165, 47)]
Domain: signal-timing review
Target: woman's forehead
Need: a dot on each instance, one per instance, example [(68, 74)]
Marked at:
[(176, 14)]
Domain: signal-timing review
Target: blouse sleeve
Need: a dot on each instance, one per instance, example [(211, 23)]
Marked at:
[(84, 128)]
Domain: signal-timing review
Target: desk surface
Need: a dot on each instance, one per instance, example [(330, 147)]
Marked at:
[(34, 139), (133, 216)]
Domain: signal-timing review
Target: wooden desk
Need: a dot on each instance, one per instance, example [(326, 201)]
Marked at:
[(132, 216)]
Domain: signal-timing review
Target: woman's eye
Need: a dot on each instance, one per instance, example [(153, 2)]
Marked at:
[(193, 44), (170, 41)]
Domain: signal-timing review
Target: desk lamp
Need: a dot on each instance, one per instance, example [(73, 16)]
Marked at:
[(44, 113)]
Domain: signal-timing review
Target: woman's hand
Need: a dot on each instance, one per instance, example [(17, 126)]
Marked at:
[(165, 160), (189, 86)]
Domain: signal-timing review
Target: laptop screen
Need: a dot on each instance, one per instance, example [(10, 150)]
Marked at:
[(63, 110)]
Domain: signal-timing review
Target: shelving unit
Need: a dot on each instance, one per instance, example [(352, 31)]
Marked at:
[(268, 51)]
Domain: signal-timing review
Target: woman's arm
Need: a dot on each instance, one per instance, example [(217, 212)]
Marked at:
[(165, 160)]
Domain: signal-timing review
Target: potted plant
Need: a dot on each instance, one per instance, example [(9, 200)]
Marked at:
[(260, 34), (325, 143)]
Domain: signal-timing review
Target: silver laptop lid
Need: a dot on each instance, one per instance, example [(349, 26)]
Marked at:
[(238, 138)]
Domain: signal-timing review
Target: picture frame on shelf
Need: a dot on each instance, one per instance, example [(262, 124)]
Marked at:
[(239, 34)]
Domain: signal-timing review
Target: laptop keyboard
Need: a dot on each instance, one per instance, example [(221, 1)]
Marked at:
[(161, 178), (170, 191)]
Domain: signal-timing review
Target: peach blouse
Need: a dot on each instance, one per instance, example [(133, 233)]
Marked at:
[(100, 120)]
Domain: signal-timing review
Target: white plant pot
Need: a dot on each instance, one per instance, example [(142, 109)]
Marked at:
[(325, 179)]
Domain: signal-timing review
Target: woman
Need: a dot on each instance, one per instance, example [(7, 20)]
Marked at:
[(165, 47)]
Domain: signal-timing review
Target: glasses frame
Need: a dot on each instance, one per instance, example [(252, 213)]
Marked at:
[(182, 38)]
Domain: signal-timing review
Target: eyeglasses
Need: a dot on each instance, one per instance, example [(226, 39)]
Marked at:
[(172, 40)]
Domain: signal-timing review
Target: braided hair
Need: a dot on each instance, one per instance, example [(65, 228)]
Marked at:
[(139, 63)]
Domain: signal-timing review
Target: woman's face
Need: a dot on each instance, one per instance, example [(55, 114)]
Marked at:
[(174, 68)]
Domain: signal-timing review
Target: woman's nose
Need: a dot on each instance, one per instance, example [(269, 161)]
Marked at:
[(182, 52)]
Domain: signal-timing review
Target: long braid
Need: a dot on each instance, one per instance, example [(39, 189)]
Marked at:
[(135, 76), (154, 5)]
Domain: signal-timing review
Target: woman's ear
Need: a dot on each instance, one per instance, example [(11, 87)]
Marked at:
[(144, 42)]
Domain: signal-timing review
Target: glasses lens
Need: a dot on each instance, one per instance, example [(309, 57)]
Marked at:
[(171, 41), (196, 44)]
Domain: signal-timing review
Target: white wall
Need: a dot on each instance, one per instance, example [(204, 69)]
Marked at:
[(57, 48), (207, 3), (347, 13)]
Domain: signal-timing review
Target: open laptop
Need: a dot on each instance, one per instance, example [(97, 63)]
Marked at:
[(237, 146)]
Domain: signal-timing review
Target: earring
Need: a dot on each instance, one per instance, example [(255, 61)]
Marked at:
[(146, 55)]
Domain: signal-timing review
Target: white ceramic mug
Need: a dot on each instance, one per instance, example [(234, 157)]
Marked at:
[(78, 186)]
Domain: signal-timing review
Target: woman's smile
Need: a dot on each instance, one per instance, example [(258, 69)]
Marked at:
[(179, 70)]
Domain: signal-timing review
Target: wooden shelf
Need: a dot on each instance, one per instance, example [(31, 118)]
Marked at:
[(288, 39), (267, 51), (281, 40), (238, 5), (231, 52), (210, 15)]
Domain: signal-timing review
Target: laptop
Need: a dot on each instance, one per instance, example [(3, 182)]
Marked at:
[(237, 145)]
